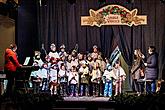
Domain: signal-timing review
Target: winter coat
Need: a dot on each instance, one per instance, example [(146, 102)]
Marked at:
[(151, 71)]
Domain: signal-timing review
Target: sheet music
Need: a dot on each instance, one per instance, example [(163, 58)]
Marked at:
[(26, 61)]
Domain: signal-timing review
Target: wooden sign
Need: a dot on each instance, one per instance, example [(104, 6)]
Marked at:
[(113, 15)]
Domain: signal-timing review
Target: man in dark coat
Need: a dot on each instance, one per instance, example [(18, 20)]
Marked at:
[(151, 71)]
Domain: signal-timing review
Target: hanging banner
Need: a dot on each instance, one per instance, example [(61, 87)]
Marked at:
[(113, 15)]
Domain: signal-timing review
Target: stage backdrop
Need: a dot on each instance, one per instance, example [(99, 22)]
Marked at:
[(7, 36), (59, 21)]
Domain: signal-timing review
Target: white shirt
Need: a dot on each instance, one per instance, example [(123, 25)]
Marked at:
[(44, 73), (40, 62), (75, 79), (109, 74), (53, 74), (54, 55), (119, 72)]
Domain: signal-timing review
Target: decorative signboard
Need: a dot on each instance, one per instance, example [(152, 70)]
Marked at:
[(113, 15)]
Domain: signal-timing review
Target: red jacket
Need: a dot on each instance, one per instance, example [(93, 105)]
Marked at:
[(11, 61)]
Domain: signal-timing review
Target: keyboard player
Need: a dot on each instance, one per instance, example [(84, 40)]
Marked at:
[(10, 67)]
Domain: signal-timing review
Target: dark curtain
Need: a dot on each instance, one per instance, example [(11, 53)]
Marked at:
[(124, 43), (26, 30), (58, 21)]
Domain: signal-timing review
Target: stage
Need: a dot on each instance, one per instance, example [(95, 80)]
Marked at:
[(88, 99)]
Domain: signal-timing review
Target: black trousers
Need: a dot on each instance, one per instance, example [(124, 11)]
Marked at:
[(10, 75)]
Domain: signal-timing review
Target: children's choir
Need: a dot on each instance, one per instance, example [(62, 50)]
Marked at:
[(76, 74)]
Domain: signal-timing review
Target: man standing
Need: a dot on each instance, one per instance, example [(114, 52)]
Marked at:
[(10, 67), (151, 71)]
